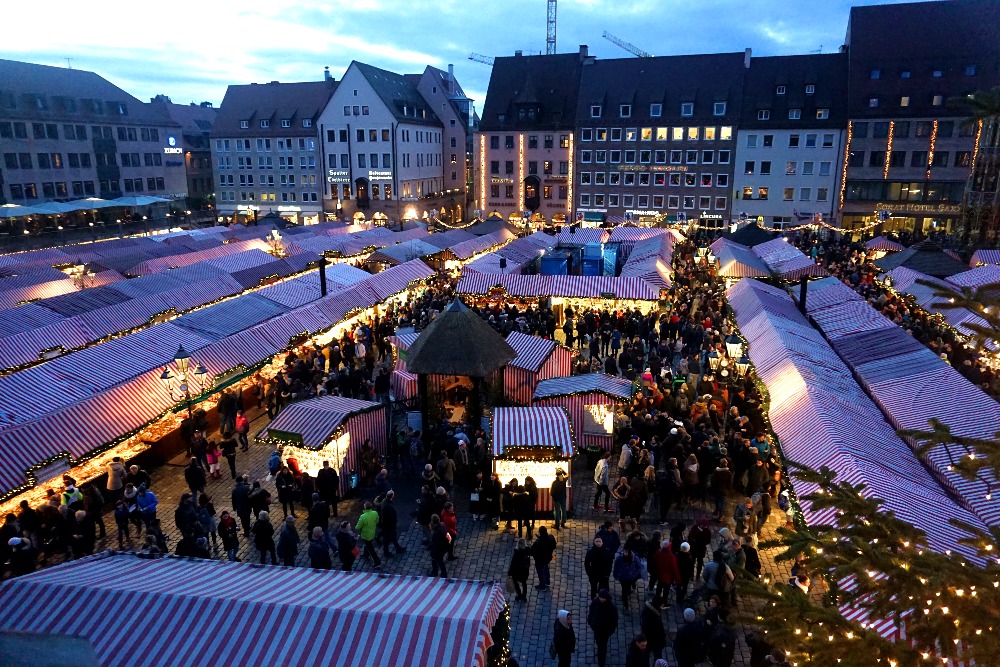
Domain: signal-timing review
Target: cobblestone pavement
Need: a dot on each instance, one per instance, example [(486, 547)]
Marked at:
[(484, 554)]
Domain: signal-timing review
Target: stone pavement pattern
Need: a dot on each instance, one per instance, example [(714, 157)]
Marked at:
[(484, 554)]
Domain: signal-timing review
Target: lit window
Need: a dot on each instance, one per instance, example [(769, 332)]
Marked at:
[(873, 102), (822, 114), (726, 133), (936, 74), (709, 134), (904, 101), (876, 73), (937, 100), (692, 133), (677, 134)]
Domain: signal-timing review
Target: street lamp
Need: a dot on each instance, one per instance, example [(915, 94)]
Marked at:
[(734, 346), (182, 362), (743, 365), (713, 360)]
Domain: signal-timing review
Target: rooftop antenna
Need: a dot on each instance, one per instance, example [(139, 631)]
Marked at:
[(69, 63), (819, 50)]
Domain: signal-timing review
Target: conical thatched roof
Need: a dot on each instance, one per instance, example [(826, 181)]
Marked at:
[(458, 342), (925, 257), (752, 234)]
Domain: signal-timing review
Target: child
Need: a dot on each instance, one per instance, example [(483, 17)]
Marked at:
[(122, 519)]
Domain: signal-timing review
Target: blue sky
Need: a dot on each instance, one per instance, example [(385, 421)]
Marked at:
[(191, 50)]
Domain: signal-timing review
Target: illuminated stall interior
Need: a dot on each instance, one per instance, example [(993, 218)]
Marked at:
[(535, 442)]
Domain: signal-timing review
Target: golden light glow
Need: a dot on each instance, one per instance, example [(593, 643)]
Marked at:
[(569, 181), (543, 472), (520, 172), (311, 460), (930, 152), (888, 150), (975, 146), (482, 172), (847, 155), (598, 419)]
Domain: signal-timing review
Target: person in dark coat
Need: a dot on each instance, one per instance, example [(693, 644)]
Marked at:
[(492, 490), (284, 482), (328, 486), (651, 622), (689, 642), (259, 498), (602, 617), (228, 447), (346, 544), (564, 638), (288, 542), (319, 550), (598, 563), (637, 654), (318, 515), (194, 475), (439, 547), (519, 570), (542, 550), (306, 490), (522, 510), (241, 503), (263, 538), (389, 523)]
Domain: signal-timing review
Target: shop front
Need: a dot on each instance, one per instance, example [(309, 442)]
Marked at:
[(534, 442)]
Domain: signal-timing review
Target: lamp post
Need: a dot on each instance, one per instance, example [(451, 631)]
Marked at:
[(743, 365), (734, 346), (182, 362), (713, 360)]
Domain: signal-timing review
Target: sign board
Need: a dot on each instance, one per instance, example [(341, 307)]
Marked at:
[(608, 295), (598, 419), (379, 175), (338, 176)]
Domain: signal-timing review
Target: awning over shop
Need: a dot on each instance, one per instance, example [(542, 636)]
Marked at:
[(291, 615), (311, 423), (588, 383), (883, 244), (539, 427)]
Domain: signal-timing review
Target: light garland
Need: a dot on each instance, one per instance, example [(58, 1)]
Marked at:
[(975, 146), (888, 149), (482, 173), (569, 179), (843, 169), (520, 172), (930, 152)]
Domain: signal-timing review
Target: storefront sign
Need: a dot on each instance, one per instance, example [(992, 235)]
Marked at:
[(637, 213), (173, 150), (556, 179), (919, 208), (501, 181), (668, 167), (247, 209), (379, 175), (289, 209), (543, 472), (608, 295), (710, 216), (338, 176)]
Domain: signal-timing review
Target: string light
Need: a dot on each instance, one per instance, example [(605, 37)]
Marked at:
[(888, 150), (930, 152), (975, 146), (847, 157)]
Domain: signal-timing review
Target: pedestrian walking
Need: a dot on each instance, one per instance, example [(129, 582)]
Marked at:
[(627, 570), (558, 493), (518, 570), (602, 617), (602, 480), (438, 547), (598, 564), (389, 521), (263, 538), (228, 448), (116, 478), (347, 546), (229, 532), (288, 542), (563, 637), (367, 523)]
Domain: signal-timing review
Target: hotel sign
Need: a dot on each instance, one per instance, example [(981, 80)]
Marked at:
[(919, 208)]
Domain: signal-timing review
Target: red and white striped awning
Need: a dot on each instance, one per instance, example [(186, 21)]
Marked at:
[(398, 278), (884, 244), (621, 234), (737, 262), (984, 256), (481, 284), (588, 383), (604, 287), (975, 278), (465, 249), (538, 427), (312, 422), (289, 615), (532, 351)]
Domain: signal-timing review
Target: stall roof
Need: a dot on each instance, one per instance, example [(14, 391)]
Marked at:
[(786, 260), (333, 613), (738, 262), (884, 244), (532, 351), (926, 257), (312, 422), (531, 427), (458, 342), (616, 388), (978, 277)]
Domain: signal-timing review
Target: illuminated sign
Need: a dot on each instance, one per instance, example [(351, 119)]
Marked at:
[(638, 212), (379, 175), (291, 209), (543, 472), (711, 216), (338, 176), (501, 181), (171, 140), (920, 208), (173, 150)]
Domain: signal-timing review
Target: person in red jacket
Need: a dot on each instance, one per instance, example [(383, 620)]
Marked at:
[(667, 572), (450, 521)]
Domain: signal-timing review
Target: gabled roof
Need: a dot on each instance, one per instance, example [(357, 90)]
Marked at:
[(192, 118), (826, 71), (549, 84), (665, 80), (399, 93), (272, 101), (458, 342), (22, 79), (750, 235), (925, 257)]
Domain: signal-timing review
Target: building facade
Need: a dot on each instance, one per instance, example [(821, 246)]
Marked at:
[(383, 146), (908, 150), (70, 134), (523, 152), (656, 137), (791, 140), (266, 151), (196, 121)]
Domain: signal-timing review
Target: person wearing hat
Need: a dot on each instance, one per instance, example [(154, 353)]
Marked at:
[(558, 492), (563, 638), (689, 642), (602, 617)]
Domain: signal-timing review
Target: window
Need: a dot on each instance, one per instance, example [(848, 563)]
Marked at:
[(963, 159), (645, 156), (707, 157), (630, 134), (595, 110), (880, 130), (307, 122), (687, 109), (709, 134), (661, 134), (763, 114), (625, 111), (789, 194), (675, 157), (372, 136), (922, 128), (822, 194), (822, 114), (937, 100), (828, 140), (793, 141), (616, 134), (584, 199), (875, 74), (600, 178), (586, 134), (508, 142), (904, 101), (722, 180), (692, 133), (673, 201), (860, 130), (947, 127), (897, 159), (706, 180), (660, 157), (285, 122), (691, 157), (615, 157), (940, 159), (546, 143), (508, 167), (824, 168), (646, 134), (655, 110), (751, 141), (720, 203), (805, 194), (724, 157), (807, 168), (794, 114), (779, 90), (688, 201), (563, 141), (704, 202), (748, 167), (265, 123), (872, 102), (810, 89), (810, 141), (790, 167), (765, 168), (585, 157), (726, 132), (362, 161), (876, 159), (970, 70), (719, 109), (630, 157)]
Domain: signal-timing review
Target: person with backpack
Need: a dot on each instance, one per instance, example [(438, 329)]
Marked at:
[(718, 578)]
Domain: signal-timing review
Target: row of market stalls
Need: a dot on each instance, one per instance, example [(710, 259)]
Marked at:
[(131, 609), (444, 250), (110, 399)]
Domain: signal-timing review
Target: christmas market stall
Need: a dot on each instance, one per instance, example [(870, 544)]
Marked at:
[(533, 442), (455, 359), (537, 359), (880, 246), (402, 383), (591, 401), (293, 615), (328, 428)]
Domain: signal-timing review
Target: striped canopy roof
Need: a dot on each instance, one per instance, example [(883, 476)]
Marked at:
[(540, 427), (532, 351), (985, 256), (882, 243), (975, 278), (588, 383), (622, 234), (465, 249), (738, 262), (182, 612), (786, 260), (312, 422)]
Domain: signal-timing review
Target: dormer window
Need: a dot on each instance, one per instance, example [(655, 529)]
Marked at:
[(265, 124), (244, 125), (307, 122), (687, 108), (810, 89), (625, 110), (595, 110), (779, 90), (285, 122)]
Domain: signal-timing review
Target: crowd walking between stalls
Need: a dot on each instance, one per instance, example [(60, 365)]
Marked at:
[(692, 438)]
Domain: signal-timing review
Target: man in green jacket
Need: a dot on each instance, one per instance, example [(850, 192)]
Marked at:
[(366, 531)]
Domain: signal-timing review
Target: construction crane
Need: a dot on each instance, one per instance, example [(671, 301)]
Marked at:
[(631, 48), (480, 58), (550, 29)]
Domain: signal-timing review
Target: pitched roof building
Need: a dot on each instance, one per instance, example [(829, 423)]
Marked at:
[(196, 121)]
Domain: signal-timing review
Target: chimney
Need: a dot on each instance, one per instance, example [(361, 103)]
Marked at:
[(584, 52), (451, 72), (518, 53), (326, 74), (746, 58)]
